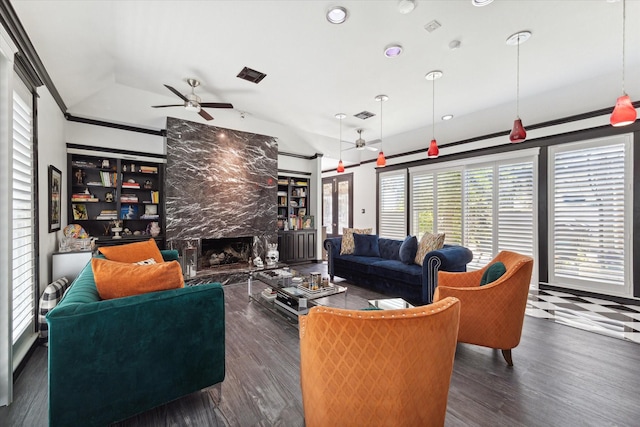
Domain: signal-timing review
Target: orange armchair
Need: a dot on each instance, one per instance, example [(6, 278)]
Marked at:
[(491, 315), (377, 367)]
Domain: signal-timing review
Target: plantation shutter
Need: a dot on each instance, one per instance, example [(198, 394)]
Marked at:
[(392, 210), (422, 219), (589, 203), (516, 208), (23, 260), (449, 205), (478, 215)]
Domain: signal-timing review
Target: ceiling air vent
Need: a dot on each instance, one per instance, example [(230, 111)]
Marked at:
[(251, 75), (364, 115)]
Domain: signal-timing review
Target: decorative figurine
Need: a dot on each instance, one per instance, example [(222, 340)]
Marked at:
[(105, 164), (108, 196), (80, 176)]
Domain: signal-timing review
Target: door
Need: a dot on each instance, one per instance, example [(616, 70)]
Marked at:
[(337, 203)]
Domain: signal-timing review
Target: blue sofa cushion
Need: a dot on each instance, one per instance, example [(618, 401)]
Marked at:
[(356, 264), (397, 271), (366, 245), (493, 273), (408, 249)]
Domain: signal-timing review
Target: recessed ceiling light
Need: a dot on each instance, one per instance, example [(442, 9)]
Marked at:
[(454, 44), (392, 50), (447, 117), (337, 15), (480, 3), (340, 116), (406, 6)]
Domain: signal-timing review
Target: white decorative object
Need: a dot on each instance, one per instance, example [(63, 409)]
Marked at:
[(257, 261), (273, 255), (155, 229)]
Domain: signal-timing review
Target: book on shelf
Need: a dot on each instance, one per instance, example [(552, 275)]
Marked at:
[(149, 216), (149, 169), (301, 183), (84, 164), (128, 198), (107, 217), (108, 179), (94, 184), (85, 199), (155, 197), (133, 185)]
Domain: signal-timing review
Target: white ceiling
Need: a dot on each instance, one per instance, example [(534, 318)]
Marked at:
[(110, 59)]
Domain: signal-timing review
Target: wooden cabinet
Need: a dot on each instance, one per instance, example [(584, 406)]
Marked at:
[(110, 188), (297, 245)]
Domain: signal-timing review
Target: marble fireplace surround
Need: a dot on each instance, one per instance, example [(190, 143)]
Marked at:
[(220, 184)]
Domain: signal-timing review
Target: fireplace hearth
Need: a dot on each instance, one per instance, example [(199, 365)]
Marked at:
[(224, 252)]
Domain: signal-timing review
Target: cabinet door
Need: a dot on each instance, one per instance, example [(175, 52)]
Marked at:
[(310, 245), (301, 246), (289, 246)]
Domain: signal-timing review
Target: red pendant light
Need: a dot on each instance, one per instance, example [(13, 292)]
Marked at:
[(623, 113), (340, 168), (381, 161), (433, 152), (518, 133)]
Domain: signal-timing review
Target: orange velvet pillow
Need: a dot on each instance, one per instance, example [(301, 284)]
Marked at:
[(119, 279), (133, 252)]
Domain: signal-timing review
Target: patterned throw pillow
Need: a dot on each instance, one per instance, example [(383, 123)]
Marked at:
[(429, 242), (50, 297), (348, 244)]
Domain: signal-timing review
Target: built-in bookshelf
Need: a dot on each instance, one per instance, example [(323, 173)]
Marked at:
[(293, 204), (116, 196)]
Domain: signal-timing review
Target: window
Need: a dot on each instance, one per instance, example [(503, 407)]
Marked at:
[(590, 215), (392, 209), (23, 220), (478, 215)]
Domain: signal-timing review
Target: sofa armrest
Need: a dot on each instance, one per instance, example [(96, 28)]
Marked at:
[(109, 360), (453, 258), (332, 245)]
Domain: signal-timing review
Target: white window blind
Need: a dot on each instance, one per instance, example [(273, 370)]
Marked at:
[(422, 219), (392, 211), (590, 212), (23, 260), (449, 205), (516, 206), (478, 215)]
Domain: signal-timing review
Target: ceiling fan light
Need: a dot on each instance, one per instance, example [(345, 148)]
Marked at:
[(433, 152), (518, 133), (192, 106), (340, 168), (382, 161), (623, 113)]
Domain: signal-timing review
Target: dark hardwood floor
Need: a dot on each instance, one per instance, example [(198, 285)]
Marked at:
[(562, 377)]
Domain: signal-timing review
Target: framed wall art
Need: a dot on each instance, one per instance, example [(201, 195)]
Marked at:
[(55, 199)]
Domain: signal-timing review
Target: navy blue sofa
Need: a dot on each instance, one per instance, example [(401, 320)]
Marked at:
[(390, 276)]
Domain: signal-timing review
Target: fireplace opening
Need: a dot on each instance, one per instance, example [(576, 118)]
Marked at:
[(225, 251)]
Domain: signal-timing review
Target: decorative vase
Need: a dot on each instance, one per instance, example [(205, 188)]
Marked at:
[(154, 230)]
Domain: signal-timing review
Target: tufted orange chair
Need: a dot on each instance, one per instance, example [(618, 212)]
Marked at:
[(491, 315), (378, 367)]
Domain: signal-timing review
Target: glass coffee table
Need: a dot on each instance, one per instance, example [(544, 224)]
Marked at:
[(289, 293)]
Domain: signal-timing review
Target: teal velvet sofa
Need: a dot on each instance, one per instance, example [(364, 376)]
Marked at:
[(112, 359)]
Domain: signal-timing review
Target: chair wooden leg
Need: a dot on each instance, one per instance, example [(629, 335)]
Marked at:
[(507, 356)]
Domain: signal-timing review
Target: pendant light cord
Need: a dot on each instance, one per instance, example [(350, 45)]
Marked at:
[(433, 109), (381, 146), (340, 138), (518, 80), (623, 41)]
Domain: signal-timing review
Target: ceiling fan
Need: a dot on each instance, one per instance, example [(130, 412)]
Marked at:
[(192, 101), (361, 144)]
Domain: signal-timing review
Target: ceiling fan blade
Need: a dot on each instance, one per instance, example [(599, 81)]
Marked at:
[(205, 115), (181, 96), (215, 105), (162, 106), (370, 148)]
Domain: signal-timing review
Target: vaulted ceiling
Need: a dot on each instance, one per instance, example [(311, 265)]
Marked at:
[(110, 59)]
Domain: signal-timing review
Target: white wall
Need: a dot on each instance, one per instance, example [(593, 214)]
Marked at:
[(51, 151), (111, 138)]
